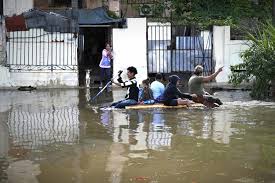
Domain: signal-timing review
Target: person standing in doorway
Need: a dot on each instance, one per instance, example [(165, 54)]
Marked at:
[(105, 64)]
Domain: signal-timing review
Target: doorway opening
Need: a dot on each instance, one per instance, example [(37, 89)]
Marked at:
[(94, 40)]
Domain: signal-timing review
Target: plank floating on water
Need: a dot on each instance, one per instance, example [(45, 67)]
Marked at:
[(153, 106)]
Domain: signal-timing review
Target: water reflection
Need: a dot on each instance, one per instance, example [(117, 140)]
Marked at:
[(142, 130), (32, 128)]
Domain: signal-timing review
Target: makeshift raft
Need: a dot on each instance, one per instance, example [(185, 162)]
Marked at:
[(155, 106)]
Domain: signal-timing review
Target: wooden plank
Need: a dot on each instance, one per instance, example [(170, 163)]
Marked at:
[(153, 106)]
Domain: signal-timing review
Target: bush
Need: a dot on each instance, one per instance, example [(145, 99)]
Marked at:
[(259, 62)]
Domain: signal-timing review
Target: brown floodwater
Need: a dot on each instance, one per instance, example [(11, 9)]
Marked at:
[(49, 136)]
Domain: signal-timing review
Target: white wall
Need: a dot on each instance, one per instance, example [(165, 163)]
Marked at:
[(53, 79), (12, 7), (129, 46), (47, 79), (226, 52)]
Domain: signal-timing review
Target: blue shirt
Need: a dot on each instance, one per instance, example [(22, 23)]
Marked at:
[(157, 88)]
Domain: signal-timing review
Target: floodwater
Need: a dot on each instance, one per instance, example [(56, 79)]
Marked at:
[(55, 136)]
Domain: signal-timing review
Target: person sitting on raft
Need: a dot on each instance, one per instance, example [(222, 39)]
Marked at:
[(131, 97), (158, 88), (145, 93), (195, 85), (173, 96)]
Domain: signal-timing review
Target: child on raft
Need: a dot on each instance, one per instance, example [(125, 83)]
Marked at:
[(145, 93)]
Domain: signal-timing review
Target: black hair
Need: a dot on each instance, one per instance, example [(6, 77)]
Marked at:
[(132, 70), (158, 76), (174, 79)]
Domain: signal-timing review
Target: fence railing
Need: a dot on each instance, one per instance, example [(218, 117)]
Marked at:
[(173, 48), (37, 49)]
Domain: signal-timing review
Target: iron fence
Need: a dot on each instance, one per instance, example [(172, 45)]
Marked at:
[(37, 49), (176, 48)]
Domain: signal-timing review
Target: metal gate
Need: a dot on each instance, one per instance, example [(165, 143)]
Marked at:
[(177, 48), (38, 50)]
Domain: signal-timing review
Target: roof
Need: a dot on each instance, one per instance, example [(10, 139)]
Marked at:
[(50, 22), (97, 16), (62, 20)]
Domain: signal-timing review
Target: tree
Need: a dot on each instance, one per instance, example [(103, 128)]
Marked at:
[(259, 62), (215, 12)]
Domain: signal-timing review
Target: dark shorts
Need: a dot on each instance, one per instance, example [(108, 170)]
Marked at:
[(173, 102)]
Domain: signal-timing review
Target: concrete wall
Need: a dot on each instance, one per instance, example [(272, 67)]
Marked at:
[(12, 7), (53, 79), (130, 49), (114, 5), (226, 52), (91, 4)]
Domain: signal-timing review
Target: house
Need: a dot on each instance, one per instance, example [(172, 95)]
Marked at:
[(53, 57), (56, 58)]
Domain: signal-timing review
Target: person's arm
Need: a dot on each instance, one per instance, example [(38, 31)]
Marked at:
[(105, 53), (118, 84), (184, 95), (110, 55), (212, 76), (125, 83)]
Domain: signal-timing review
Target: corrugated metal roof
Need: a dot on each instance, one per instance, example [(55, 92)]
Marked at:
[(50, 22), (97, 16), (61, 20)]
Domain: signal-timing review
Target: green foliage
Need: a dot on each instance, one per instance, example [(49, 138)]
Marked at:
[(259, 62), (214, 12), (112, 14)]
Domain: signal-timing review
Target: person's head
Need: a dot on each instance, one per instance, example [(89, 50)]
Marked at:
[(131, 72), (198, 70), (158, 77), (146, 83), (174, 79), (108, 46)]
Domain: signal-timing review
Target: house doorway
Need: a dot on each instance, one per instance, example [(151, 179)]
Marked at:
[(92, 43)]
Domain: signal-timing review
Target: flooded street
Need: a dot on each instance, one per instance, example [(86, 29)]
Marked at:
[(56, 136)]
